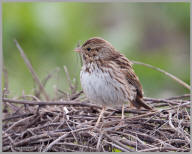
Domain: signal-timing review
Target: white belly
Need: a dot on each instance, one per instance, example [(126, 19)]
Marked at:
[(100, 88)]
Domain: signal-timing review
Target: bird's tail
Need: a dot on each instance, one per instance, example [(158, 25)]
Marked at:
[(138, 103)]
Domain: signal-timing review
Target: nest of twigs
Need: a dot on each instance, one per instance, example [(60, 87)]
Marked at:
[(66, 123)]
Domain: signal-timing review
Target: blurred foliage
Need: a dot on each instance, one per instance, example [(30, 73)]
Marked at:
[(154, 33)]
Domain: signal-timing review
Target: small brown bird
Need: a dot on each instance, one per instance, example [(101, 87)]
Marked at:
[(107, 76)]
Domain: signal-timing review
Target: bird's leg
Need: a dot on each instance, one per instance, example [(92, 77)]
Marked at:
[(123, 115), (100, 116)]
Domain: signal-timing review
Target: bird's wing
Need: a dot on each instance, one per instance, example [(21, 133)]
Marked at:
[(126, 67)]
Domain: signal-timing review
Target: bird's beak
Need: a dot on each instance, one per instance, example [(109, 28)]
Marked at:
[(78, 49)]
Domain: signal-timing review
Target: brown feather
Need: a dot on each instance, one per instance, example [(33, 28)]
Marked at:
[(122, 71), (126, 68)]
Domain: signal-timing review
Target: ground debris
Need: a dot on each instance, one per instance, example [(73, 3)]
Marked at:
[(68, 126)]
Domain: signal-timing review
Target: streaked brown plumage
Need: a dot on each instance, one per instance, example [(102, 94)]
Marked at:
[(107, 76)]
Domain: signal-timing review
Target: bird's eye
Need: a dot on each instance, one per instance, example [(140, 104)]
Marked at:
[(88, 49)]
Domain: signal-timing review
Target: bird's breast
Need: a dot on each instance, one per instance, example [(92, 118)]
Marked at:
[(100, 86)]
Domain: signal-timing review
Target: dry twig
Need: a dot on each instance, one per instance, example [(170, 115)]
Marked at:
[(166, 73), (34, 75)]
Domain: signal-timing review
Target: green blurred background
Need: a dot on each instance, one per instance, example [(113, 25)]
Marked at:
[(154, 33)]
